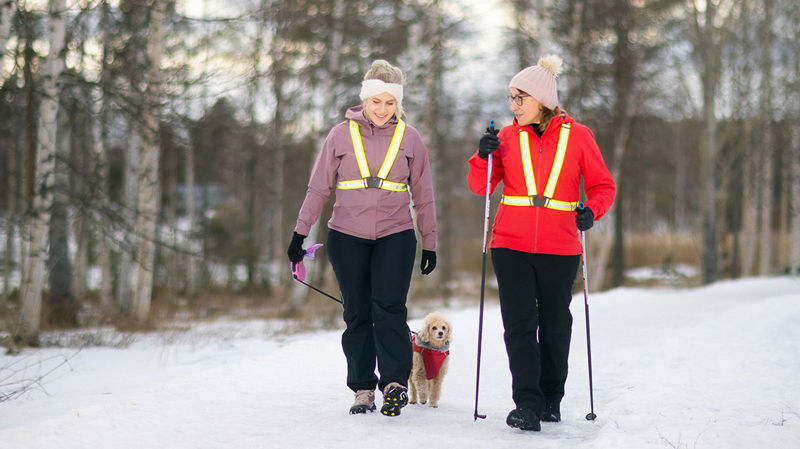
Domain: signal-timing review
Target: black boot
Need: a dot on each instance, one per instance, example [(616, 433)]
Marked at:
[(524, 419), (552, 412), (395, 397)]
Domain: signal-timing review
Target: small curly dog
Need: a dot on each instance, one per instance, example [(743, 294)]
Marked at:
[(431, 356)]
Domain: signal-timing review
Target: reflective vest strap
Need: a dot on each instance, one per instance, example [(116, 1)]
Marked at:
[(527, 165), (364, 183), (380, 181), (358, 147), (353, 184), (394, 146), (539, 202), (533, 198), (558, 162)]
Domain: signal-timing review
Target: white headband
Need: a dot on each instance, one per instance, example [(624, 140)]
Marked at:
[(370, 88)]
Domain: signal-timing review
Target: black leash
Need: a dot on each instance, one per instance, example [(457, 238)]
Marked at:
[(317, 290)]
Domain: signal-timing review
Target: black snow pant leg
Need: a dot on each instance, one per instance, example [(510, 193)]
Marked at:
[(555, 321), (392, 266), (535, 292), (374, 278)]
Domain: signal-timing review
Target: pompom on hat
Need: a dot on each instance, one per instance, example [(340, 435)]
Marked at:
[(539, 81)]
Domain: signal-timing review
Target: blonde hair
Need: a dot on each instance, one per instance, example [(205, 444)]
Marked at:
[(382, 70)]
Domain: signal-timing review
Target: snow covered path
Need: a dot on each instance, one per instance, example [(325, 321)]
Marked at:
[(714, 367)]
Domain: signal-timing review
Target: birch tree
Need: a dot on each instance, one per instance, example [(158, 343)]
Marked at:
[(100, 112), (767, 135), (7, 8), (432, 117), (33, 274), (62, 302), (794, 144), (625, 71), (709, 34), (149, 188)]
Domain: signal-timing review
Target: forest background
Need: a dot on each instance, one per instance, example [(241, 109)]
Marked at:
[(154, 153)]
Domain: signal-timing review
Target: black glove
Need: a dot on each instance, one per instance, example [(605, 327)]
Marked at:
[(296, 251), (584, 218), (489, 143), (428, 261)]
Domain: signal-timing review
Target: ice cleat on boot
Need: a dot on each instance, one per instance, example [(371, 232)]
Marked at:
[(395, 397), (364, 402)]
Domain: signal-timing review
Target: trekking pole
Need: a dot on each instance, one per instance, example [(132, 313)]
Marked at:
[(476, 415), (591, 415)]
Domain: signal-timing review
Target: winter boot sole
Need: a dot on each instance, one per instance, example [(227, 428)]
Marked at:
[(359, 409), (395, 399), (518, 421), (550, 417)]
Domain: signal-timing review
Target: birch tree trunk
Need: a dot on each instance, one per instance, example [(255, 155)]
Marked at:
[(128, 242), (11, 222), (749, 232), (102, 220), (149, 191), (191, 246), (794, 161), (62, 308), (433, 114), (33, 275), (575, 39), (624, 109), (794, 259), (768, 140), (100, 110), (6, 14), (709, 40), (255, 246), (274, 252)]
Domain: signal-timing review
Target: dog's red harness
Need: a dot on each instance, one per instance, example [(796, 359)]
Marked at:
[(432, 357)]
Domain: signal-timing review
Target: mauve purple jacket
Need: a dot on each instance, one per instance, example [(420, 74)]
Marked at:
[(371, 213)]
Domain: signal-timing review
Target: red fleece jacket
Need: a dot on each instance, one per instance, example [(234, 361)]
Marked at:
[(538, 229)]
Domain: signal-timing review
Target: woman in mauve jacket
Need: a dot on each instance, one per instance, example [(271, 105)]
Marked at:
[(541, 159), (373, 160)]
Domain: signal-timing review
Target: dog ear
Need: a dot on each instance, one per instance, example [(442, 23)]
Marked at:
[(449, 331), (423, 333)]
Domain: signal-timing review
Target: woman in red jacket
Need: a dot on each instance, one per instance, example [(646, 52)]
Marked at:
[(540, 158)]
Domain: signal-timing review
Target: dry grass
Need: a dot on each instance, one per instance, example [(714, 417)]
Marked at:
[(173, 312), (647, 249)]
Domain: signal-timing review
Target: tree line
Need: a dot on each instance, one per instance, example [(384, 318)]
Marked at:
[(155, 147)]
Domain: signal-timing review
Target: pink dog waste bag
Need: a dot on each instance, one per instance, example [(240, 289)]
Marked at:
[(298, 269)]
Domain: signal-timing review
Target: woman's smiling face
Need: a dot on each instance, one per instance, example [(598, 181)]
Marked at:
[(380, 108)]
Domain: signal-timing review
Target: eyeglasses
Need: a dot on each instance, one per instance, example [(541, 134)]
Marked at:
[(518, 99)]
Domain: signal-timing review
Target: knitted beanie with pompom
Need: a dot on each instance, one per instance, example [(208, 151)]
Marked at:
[(539, 81)]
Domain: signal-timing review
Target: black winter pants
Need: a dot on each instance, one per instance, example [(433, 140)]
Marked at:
[(535, 293), (374, 277)]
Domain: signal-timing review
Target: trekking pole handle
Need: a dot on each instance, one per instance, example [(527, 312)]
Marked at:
[(487, 204)]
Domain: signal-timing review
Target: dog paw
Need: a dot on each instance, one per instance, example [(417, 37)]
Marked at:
[(434, 405)]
